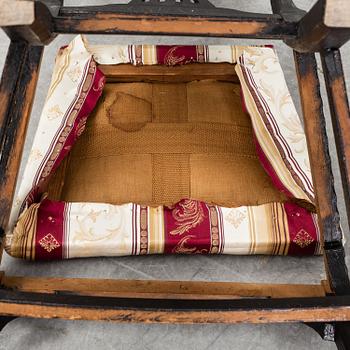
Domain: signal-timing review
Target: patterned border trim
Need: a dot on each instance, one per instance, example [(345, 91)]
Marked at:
[(190, 227), (285, 170)]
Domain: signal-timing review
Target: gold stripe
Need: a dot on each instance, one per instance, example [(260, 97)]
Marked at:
[(251, 230), (23, 238), (149, 54), (160, 230), (233, 54), (275, 226), (156, 230), (285, 231), (152, 239)]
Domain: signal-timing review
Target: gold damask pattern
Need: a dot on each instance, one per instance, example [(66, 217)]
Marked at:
[(54, 112), (235, 217), (181, 248), (189, 215), (49, 243), (303, 239), (171, 59)]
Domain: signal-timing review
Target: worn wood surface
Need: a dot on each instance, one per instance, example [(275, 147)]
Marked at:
[(152, 24), (314, 35), (38, 32), (75, 307), (326, 200), (16, 12), (17, 89), (160, 289), (287, 9), (185, 8), (179, 74), (53, 5), (340, 114)]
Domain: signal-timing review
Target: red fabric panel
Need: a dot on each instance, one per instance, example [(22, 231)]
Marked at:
[(302, 230), (49, 235), (187, 228), (173, 55)]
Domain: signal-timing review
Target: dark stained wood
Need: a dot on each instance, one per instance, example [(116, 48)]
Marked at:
[(325, 330), (160, 289), (287, 9), (334, 255), (185, 8), (4, 320), (37, 33), (342, 335), (53, 5), (17, 89), (75, 307), (339, 108), (183, 73), (314, 35), (117, 21), (326, 200)]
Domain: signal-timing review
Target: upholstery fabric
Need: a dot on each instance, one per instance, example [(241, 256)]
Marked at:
[(58, 214)]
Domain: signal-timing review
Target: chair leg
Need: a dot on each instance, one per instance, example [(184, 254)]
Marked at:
[(325, 330), (342, 335), (4, 320), (338, 332)]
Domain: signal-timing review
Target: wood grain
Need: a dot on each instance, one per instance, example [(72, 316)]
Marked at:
[(160, 289), (314, 35), (38, 31), (17, 90), (114, 23), (340, 114), (127, 310), (158, 73), (326, 200)]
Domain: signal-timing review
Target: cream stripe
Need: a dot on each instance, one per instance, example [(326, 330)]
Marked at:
[(149, 54), (160, 230), (156, 230), (267, 144), (151, 231), (251, 230)]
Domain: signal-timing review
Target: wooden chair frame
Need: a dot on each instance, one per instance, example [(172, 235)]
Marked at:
[(324, 29)]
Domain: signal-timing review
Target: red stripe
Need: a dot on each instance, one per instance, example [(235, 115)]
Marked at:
[(187, 228), (176, 54), (270, 170)]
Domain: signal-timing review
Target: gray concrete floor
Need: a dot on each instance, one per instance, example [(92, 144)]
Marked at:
[(58, 334)]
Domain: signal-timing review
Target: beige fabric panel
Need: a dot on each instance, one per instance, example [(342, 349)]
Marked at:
[(156, 144)]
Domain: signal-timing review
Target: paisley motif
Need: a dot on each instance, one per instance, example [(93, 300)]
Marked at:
[(171, 59), (187, 214)]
